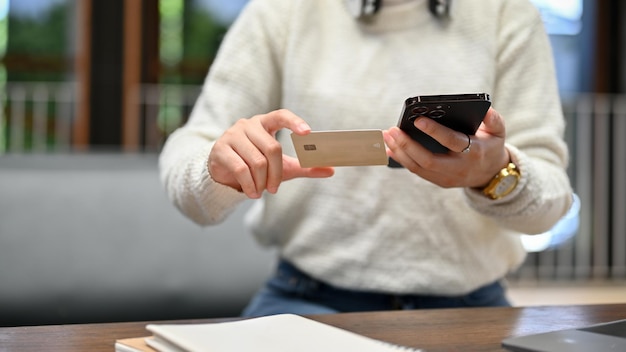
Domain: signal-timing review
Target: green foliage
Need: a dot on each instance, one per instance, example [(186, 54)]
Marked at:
[(43, 35), (203, 35), (37, 47)]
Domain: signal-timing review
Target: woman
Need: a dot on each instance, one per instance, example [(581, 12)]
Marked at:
[(436, 233)]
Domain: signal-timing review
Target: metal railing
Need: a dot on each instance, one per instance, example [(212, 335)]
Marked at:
[(37, 117), (163, 108), (40, 117)]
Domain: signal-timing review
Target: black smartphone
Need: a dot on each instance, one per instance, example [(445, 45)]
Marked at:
[(460, 112)]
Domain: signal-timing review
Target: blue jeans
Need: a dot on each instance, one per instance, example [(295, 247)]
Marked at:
[(292, 291)]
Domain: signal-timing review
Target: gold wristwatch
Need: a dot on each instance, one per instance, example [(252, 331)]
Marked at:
[(503, 183)]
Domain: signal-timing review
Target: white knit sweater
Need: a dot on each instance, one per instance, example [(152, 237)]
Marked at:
[(376, 228)]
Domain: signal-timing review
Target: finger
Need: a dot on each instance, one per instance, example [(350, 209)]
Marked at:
[(428, 166), (260, 150), (284, 118), (451, 139), (402, 147), (469, 144), (223, 160), (268, 167), (241, 172), (292, 169), (493, 124), (247, 151), (273, 122), (262, 153)]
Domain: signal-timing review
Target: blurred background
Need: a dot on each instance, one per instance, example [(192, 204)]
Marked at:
[(115, 77), (88, 74)]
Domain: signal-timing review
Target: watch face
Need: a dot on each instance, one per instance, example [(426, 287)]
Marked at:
[(506, 185)]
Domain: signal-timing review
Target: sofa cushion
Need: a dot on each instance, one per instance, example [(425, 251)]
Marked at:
[(93, 238)]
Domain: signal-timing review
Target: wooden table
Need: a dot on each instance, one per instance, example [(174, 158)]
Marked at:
[(473, 329)]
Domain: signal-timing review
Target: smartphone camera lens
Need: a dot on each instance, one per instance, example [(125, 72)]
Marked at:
[(419, 110), (437, 114)]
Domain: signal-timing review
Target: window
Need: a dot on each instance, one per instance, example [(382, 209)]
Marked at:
[(563, 20)]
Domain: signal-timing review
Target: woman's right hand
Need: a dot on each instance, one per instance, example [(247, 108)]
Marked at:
[(247, 157)]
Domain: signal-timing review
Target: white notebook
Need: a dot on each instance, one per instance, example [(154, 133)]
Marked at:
[(275, 333)]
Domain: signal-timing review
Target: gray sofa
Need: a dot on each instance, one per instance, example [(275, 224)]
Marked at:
[(92, 238)]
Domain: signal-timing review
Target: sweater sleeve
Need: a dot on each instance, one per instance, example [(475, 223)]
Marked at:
[(526, 89), (244, 80)]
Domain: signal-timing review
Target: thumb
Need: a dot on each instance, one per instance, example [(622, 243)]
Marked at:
[(292, 169), (493, 124)]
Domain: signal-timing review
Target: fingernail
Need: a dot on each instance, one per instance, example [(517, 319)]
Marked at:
[(387, 137), (303, 127), (394, 133)]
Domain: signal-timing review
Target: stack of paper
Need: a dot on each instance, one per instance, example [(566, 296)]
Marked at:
[(276, 333)]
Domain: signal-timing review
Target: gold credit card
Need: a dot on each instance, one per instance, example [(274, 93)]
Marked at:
[(340, 148)]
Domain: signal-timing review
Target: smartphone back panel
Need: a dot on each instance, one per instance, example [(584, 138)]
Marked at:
[(460, 112)]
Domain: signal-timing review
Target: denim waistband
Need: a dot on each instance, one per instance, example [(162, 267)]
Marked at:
[(292, 281)]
